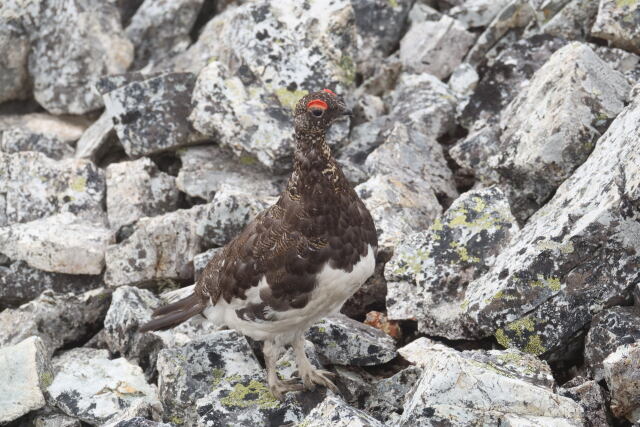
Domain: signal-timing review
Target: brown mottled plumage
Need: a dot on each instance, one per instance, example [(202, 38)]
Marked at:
[(285, 270)]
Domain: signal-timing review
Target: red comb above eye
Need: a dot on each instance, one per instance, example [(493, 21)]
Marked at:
[(317, 103), (329, 91)]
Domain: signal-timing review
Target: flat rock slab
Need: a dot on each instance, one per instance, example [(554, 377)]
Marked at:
[(25, 373), (344, 341), (117, 389)]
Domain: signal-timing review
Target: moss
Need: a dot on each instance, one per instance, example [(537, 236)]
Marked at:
[(348, 68), (502, 338), (289, 98), (626, 3), (46, 379), (534, 346), (253, 394), (78, 184), (176, 420)]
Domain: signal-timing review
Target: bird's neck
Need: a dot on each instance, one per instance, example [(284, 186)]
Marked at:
[(315, 171)]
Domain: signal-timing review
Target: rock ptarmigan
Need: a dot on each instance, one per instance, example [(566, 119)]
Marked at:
[(296, 262)]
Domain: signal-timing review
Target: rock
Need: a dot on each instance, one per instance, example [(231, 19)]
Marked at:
[(16, 140), (201, 260), (435, 47), (61, 243), (622, 61), (117, 389), (96, 140), (622, 374), (398, 208), (137, 189), (478, 152), (367, 108), (37, 186), (58, 319), (573, 21), (221, 378), (334, 411), (553, 273), (591, 397), (207, 168), (344, 341), (140, 422), (47, 418), (423, 102), (385, 402), (14, 49), (550, 128), (464, 79), (75, 44), (618, 21), (477, 13), (160, 29), (430, 271), (20, 283), (417, 352), (64, 128), (364, 139), (421, 12), (25, 374), (412, 157), (163, 100), (491, 388), (609, 330), (380, 26), (261, 68)]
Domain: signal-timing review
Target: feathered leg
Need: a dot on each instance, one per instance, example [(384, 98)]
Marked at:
[(277, 386), (310, 375)]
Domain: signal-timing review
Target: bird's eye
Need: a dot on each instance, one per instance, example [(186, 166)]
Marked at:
[(317, 112)]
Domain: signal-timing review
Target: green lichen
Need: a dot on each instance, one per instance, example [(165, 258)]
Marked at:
[(322, 330), (463, 253), (78, 184), (521, 325), (480, 206), (46, 379), (513, 358), (253, 394), (552, 283), (437, 225), (393, 3), (500, 295), (289, 98), (247, 160), (464, 304), (348, 68), (176, 420), (502, 338), (412, 262), (626, 3), (534, 346), (490, 367), (218, 375), (461, 219)]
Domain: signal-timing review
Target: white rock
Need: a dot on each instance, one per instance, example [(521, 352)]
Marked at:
[(24, 375), (622, 374), (95, 139), (61, 243), (464, 79), (619, 22), (333, 411), (477, 13), (64, 128)]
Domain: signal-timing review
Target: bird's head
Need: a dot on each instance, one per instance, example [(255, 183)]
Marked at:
[(316, 111)]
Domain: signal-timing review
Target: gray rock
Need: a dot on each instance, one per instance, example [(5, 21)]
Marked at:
[(385, 402), (137, 189), (64, 128), (550, 128), (618, 21), (201, 260), (117, 389), (590, 395), (333, 411), (622, 374), (636, 295), (14, 49), (150, 115), (572, 22), (620, 60), (20, 283), (96, 140), (398, 208), (76, 44), (364, 139), (367, 108), (344, 341), (478, 152), (430, 271), (25, 373), (423, 102), (380, 26), (464, 79), (422, 11), (552, 273), (227, 381), (354, 383), (477, 13), (490, 388), (53, 419), (207, 168), (160, 29), (61, 243), (141, 422), (435, 47), (16, 140), (37, 186), (609, 330), (58, 319), (245, 95)]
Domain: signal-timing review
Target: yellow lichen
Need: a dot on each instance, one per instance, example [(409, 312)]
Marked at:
[(289, 98), (348, 68), (253, 394), (521, 325), (437, 225), (464, 304), (46, 379), (176, 420), (413, 262), (480, 206), (247, 160), (464, 255), (534, 346), (625, 3), (393, 3), (502, 338), (552, 283), (218, 375), (78, 184)]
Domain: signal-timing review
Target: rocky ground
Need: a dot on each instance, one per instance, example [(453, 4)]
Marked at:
[(496, 143)]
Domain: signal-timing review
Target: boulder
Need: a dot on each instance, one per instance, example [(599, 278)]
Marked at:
[(97, 140), (618, 21), (25, 373), (57, 319), (573, 258), (464, 79), (61, 243), (590, 395), (37, 186), (609, 330), (149, 113), (386, 400), (16, 140), (572, 22), (138, 189), (64, 128), (550, 128), (14, 49), (334, 411), (430, 271), (621, 61), (140, 422), (344, 341), (477, 13), (622, 374), (74, 45), (117, 390)]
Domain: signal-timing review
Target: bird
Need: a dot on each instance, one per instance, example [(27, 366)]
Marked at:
[(296, 262)]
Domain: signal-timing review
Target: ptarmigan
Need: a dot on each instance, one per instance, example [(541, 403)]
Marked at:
[(298, 261)]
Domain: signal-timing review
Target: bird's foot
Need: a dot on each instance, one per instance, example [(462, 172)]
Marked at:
[(280, 387), (311, 377)]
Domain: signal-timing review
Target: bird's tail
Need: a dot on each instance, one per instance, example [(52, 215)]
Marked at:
[(176, 312)]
